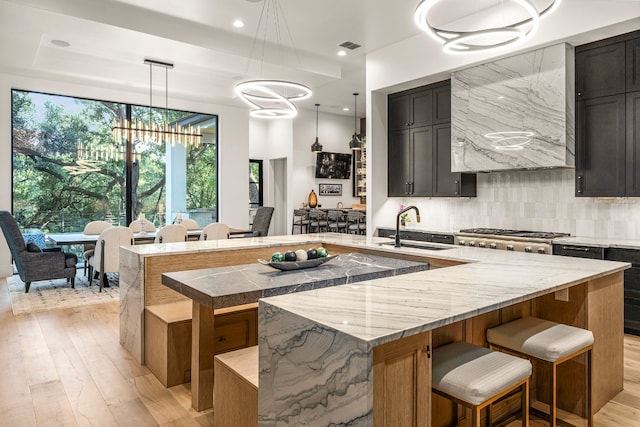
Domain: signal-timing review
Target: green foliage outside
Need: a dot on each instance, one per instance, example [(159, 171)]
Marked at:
[(47, 137)]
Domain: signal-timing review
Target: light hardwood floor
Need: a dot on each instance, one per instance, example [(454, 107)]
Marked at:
[(67, 368)]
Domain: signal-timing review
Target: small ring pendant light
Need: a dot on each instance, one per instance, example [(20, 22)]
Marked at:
[(356, 142), (316, 147)]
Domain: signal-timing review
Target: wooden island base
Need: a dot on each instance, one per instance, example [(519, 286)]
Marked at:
[(402, 367)]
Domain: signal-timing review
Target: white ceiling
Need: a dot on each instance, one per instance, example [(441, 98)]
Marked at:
[(109, 40)]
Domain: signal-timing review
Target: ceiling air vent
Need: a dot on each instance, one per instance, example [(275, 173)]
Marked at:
[(349, 45)]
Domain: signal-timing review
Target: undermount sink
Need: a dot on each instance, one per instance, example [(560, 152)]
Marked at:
[(417, 246)]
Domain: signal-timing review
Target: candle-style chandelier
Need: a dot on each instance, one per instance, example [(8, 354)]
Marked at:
[(140, 131)]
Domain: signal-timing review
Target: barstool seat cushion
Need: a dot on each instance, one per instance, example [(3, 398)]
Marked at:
[(475, 374), (540, 338)]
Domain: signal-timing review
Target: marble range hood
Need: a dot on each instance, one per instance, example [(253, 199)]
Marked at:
[(515, 113)]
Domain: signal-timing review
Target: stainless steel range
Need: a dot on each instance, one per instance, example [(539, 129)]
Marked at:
[(510, 240)]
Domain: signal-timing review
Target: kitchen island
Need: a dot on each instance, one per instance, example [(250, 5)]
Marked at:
[(359, 354), (343, 354)]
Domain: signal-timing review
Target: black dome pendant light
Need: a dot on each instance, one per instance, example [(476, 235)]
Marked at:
[(316, 147), (356, 142)]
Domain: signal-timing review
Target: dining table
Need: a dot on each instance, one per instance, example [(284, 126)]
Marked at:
[(79, 238)]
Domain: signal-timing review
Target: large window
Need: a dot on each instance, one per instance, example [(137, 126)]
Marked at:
[(68, 169), (256, 194)]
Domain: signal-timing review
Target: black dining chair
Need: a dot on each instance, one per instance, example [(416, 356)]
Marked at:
[(319, 221), (261, 222), (300, 220)]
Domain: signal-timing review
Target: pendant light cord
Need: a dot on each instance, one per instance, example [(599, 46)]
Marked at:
[(317, 105), (355, 115)]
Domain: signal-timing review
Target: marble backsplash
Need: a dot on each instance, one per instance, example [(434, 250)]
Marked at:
[(540, 200)]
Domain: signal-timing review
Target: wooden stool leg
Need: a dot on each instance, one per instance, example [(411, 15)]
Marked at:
[(552, 397), (589, 393), (525, 404)]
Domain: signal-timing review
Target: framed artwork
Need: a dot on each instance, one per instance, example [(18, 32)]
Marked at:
[(330, 189)]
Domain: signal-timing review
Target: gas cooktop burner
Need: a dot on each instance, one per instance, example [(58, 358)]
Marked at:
[(514, 233)]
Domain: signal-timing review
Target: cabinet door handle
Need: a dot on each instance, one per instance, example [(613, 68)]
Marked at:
[(579, 93), (575, 248), (411, 187), (457, 187), (406, 188), (579, 184)]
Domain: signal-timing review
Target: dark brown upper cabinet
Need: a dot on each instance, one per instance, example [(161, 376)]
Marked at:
[(600, 147), (633, 65), (419, 145), (608, 117), (600, 71), (411, 109), (633, 144)]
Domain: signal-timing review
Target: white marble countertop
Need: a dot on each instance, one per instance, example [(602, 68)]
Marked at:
[(384, 310)]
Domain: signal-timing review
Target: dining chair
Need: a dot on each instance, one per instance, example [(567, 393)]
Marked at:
[(261, 222), (357, 222), (319, 221), (171, 233), (337, 221), (300, 219), (149, 227), (215, 231), (106, 258), (93, 227), (191, 224)]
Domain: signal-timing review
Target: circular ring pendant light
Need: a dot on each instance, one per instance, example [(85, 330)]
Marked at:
[(271, 99), (471, 41), (268, 98)]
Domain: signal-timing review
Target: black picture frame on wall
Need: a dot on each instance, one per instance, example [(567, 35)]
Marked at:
[(330, 189), (333, 165)]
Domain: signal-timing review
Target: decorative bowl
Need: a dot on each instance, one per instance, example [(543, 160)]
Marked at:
[(297, 265)]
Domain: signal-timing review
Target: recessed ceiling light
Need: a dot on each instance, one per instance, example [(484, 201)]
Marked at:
[(238, 23), (342, 53), (345, 108), (60, 43)]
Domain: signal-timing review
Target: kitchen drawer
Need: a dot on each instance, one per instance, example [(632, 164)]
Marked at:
[(419, 236), (624, 255), (235, 330), (442, 238), (578, 251)]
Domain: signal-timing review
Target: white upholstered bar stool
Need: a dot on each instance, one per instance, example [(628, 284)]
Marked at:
[(477, 377), (548, 342)]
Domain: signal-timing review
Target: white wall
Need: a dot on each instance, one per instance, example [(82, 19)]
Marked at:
[(233, 144), (334, 133), (539, 200), (291, 140)]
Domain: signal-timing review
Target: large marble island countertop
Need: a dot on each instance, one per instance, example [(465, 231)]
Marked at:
[(241, 284), (380, 311)]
